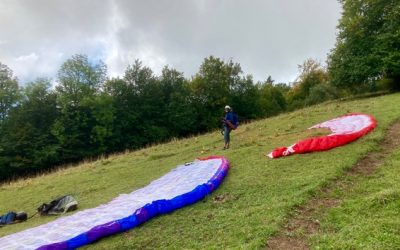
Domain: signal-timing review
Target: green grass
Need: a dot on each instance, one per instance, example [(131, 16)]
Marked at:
[(369, 216), (259, 193)]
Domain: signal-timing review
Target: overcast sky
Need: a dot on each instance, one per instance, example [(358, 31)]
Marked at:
[(267, 37)]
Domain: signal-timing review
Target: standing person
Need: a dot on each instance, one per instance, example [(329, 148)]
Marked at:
[(227, 129)]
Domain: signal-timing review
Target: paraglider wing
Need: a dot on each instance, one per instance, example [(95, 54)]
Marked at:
[(182, 186), (345, 129)]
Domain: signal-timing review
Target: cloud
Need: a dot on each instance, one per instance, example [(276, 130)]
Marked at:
[(267, 37), (32, 57)]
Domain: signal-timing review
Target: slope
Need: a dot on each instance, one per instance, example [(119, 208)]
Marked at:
[(250, 206)]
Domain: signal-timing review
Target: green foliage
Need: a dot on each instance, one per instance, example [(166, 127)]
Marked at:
[(271, 100), (88, 115), (244, 98), (9, 91), (100, 107), (179, 115), (78, 78), (80, 129), (27, 142), (123, 102), (320, 93), (148, 105), (311, 87), (210, 89), (368, 45)]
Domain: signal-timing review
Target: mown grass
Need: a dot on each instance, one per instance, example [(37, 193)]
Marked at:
[(369, 215), (259, 193)]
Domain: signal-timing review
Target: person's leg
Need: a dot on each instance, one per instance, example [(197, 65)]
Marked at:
[(229, 138), (226, 137)]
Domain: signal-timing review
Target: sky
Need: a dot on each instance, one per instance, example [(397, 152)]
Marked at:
[(267, 37)]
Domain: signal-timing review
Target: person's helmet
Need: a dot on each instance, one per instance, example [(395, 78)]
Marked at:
[(227, 107)]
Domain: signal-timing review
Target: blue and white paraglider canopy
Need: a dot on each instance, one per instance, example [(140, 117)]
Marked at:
[(182, 186)]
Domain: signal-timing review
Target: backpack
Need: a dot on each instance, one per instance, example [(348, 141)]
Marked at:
[(235, 121), (7, 218), (12, 217), (58, 206)]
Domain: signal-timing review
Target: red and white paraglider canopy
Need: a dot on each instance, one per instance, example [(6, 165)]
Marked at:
[(344, 129)]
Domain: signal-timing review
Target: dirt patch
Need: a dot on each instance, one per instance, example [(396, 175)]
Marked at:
[(219, 199), (222, 198), (302, 224), (369, 163), (282, 242)]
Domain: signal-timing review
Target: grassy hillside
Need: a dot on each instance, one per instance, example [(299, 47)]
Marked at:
[(250, 206), (369, 216)]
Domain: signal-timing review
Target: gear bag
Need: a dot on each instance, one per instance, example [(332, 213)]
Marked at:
[(58, 206), (12, 217)]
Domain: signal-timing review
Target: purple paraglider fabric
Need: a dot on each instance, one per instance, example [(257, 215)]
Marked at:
[(182, 186)]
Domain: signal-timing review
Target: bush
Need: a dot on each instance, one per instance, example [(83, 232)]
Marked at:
[(321, 93)]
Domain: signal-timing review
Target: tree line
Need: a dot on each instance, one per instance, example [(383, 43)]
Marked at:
[(83, 113), (87, 114)]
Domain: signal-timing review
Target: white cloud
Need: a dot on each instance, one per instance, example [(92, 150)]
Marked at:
[(31, 58)]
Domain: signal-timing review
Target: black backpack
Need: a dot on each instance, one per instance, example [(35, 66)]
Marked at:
[(58, 206)]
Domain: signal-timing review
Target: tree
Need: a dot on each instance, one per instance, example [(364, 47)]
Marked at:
[(270, 80), (78, 78), (148, 104), (27, 142), (244, 97), (271, 100), (211, 90), (9, 91), (126, 116), (311, 74), (367, 46), (76, 128), (179, 115)]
